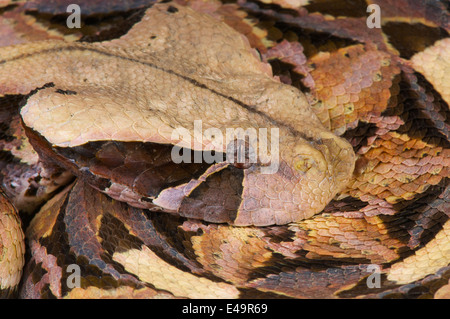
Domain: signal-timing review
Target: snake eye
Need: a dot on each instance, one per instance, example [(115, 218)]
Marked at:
[(303, 164)]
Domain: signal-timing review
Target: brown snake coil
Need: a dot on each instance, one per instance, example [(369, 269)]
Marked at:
[(358, 205)]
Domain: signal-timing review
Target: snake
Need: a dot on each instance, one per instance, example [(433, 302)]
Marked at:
[(171, 163)]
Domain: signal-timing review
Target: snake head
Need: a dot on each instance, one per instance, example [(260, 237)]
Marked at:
[(309, 175), (102, 121)]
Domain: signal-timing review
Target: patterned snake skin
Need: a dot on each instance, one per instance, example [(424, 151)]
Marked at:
[(358, 208)]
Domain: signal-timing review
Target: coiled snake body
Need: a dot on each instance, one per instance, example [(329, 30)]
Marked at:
[(134, 223)]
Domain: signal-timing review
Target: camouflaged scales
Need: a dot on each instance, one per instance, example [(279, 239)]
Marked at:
[(101, 116)]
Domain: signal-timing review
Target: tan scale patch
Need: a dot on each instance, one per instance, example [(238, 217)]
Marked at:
[(123, 292), (426, 260), (232, 253), (434, 63), (150, 268)]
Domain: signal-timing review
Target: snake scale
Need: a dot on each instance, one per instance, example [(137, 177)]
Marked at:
[(358, 204)]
